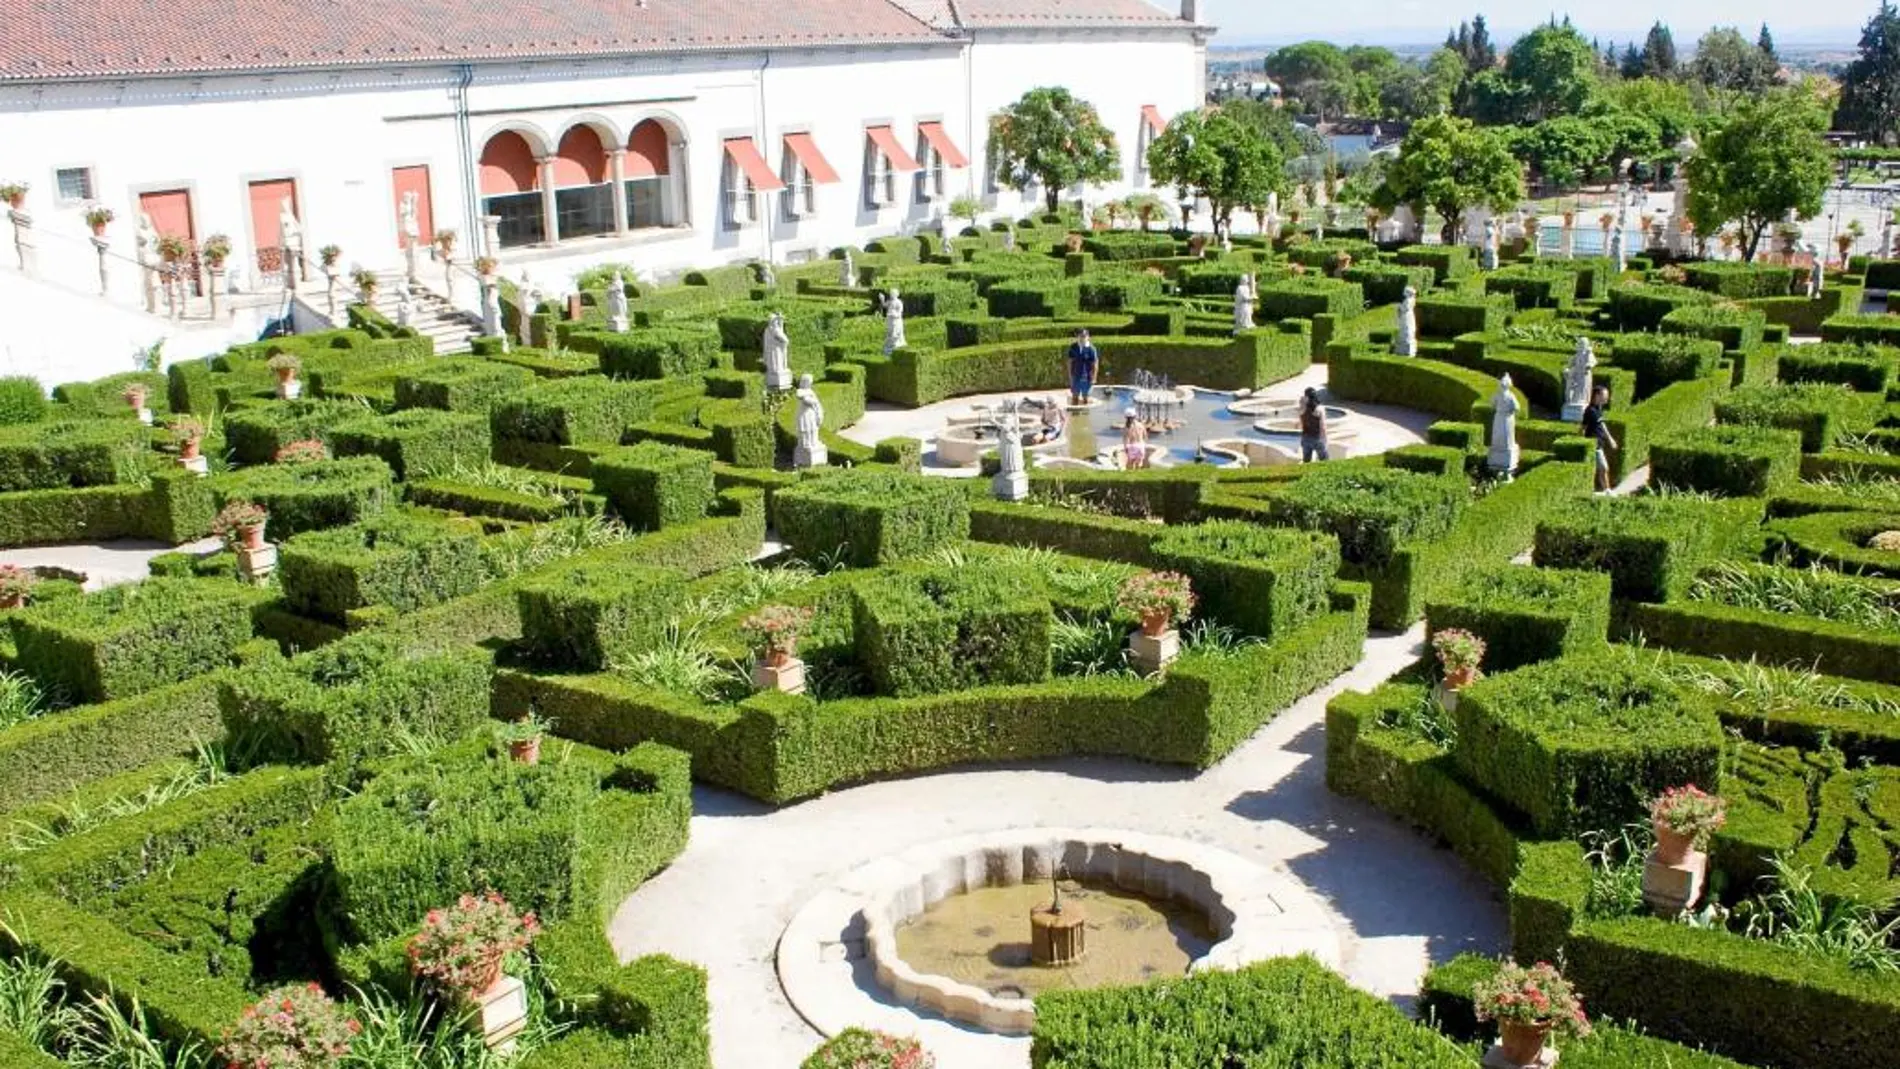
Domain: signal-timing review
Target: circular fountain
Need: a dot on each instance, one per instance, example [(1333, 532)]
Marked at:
[(940, 928)]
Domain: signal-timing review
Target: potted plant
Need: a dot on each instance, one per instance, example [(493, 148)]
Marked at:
[(775, 629), (285, 366), (858, 1048), (366, 283), (134, 395), (190, 432), (301, 451), (328, 256), (215, 250), (459, 950), (445, 242), (485, 266), (172, 248), (1684, 819), (292, 1027), (1158, 599), (14, 193), (1459, 654), (1530, 1005), (97, 218), (523, 737), (16, 583), (242, 523)]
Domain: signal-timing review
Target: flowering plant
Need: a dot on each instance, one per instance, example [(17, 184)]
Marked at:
[(13, 192), (302, 451), (855, 1048), (172, 248), (459, 949), (284, 362), (1458, 650), (97, 217), (134, 394), (294, 1027), (485, 265), (365, 279), (216, 249), (1157, 593), (1689, 811), (15, 582), (776, 627), (1537, 996), (236, 516)]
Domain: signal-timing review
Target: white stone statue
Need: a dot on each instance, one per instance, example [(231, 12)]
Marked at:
[(1243, 304), (1489, 254), (1012, 478), (1226, 245), (292, 237), (767, 277), (1817, 274), (146, 246), (848, 274), (491, 312), (775, 350), (405, 307), (1319, 230), (810, 452), (1504, 455), (1406, 344), (617, 304), (411, 225), (1579, 378), (1009, 240), (530, 300), (1619, 259), (894, 322)]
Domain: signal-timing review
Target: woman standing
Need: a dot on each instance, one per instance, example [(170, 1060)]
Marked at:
[(1134, 440), (1312, 427)]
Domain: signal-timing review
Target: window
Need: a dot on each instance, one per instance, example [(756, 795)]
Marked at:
[(742, 207), (74, 184), (930, 179), (880, 177), (801, 191)]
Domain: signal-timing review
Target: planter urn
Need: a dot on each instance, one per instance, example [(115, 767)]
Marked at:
[(1521, 1046), (1674, 873)]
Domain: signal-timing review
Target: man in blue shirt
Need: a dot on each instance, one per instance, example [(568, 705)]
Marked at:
[(1083, 360)]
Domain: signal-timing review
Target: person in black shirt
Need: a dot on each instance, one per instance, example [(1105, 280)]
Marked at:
[(1597, 430), (1312, 428)]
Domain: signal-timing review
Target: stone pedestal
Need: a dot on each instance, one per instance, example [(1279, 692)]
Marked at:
[(289, 389), (1057, 938), (256, 565), (410, 272), (197, 465), (491, 235), (815, 456), (499, 1014), (101, 246), (620, 325), (1010, 486), (1503, 459), (787, 679), (1670, 889), (1495, 1058), (1572, 413), (211, 291), (144, 414), (1152, 653)]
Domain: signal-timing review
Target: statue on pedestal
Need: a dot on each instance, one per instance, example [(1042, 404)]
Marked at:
[(893, 322), (1579, 377), (1504, 456), (776, 353), (1243, 304), (810, 452), (848, 275), (1818, 273), (617, 304), (1406, 344), (411, 236), (291, 234), (1489, 254), (1012, 477)]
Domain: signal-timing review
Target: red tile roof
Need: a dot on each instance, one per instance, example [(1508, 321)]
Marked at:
[(43, 39), (991, 14)]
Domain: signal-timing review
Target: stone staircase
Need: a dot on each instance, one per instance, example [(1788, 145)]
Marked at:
[(433, 317)]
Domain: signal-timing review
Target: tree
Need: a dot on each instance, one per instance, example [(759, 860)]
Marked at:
[(1556, 68), (1667, 107), (1226, 162), (1766, 44), (1870, 89), (1766, 158), (1277, 126), (1053, 139), (1726, 62), (1564, 150), (1314, 72), (1632, 64), (1146, 207), (1450, 165), (1482, 54), (1423, 89), (1659, 53)]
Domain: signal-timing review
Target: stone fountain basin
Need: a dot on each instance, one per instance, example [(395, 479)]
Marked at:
[(1255, 913)]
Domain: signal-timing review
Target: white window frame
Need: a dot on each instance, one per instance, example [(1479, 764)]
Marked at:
[(801, 193), (930, 180), (740, 196), (880, 175), (92, 186)]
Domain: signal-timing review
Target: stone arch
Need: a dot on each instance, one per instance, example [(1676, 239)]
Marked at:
[(650, 148), (508, 162), (581, 157)]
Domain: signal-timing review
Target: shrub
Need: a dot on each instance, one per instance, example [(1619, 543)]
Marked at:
[(950, 630), (664, 352), (1727, 461), (654, 486), (584, 616), (254, 435), (1526, 615), (22, 400), (1845, 541), (1385, 283), (573, 411), (1650, 546), (416, 442), (44, 456), (1534, 285), (1862, 329), (1739, 329), (1661, 359), (295, 1027), (1584, 743), (460, 385), (1448, 315), (1371, 510), (1821, 413), (129, 639), (309, 497), (1740, 281), (855, 1048), (1448, 262), (870, 518), (1263, 581), (1304, 298), (401, 560), (1863, 368), (1641, 306), (459, 948)]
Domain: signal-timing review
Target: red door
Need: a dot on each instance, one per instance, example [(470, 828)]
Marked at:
[(414, 180), (267, 205), (170, 211)]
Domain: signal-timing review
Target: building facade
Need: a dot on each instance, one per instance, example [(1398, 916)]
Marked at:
[(663, 133)]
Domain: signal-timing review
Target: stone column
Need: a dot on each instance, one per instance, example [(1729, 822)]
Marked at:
[(23, 241), (100, 245), (491, 235), (676, 178), (448, 276), (217, 282), (550, 224), (617, 173)]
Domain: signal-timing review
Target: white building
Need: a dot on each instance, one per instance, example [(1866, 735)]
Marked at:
[(665, 133)]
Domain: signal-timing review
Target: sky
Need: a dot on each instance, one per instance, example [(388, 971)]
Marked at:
[(1421, 21)]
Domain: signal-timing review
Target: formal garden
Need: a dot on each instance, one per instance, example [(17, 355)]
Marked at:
[(365, 782)]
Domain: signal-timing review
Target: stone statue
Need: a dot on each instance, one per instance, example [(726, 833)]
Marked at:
[(776, 353), (530, 300), (291, 234), (405, 307), (1243, 304), (491, 312), (146, 246), (1012, 478), (1489, 256), (411, 227), (1579, 377), (848, 275), (1504, 455), (810, 452), (1319, 231), (767, 277), (1226, 245), (617, 304), (1406, 344), (1619, 260), (893, 322), (1009, 240), (1816, 274)]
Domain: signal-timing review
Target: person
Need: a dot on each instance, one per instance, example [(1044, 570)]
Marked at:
[(1134, 440), (1312, 427), (1597, 429), (1053, 420), (1083, 361)]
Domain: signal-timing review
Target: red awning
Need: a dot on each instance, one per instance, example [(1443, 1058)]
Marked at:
[(952, 155), (1152, 116), (745, 155), (810, 158), (886, 143)]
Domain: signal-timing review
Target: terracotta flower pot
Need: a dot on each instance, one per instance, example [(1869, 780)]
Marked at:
[(483, 980), (188, 449), (778, 656), (252, 535), (1155, 624), (1459, 678), (12, 601), (286, 374), (526, 752), (135, 400), (98, 230), (1673, 847), (1523, 1044), (17, 200)]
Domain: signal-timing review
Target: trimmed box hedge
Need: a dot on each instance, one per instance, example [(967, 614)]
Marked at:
[(1370, 510), (1650, 546), (1727, 461), (654, 486), (1526, 615), (585, 616), (1448, 315), (1863, 368), (416, 442), (401, 560), (1739, 329), (1821, 413), (45, 456), (309, 497), (1306, 297), (1260, 580), (1660, 360), (949, 630), (460, 385), (868, 518), (129, 639)]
